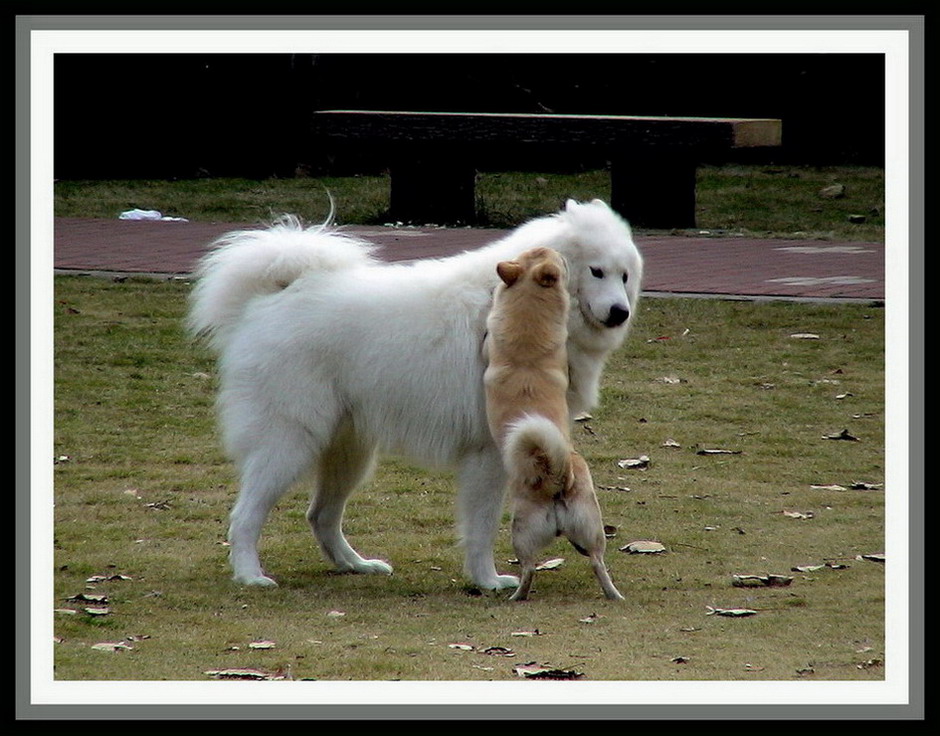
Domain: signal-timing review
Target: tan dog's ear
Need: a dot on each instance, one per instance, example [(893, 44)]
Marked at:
[(509, 272), (546, 274)]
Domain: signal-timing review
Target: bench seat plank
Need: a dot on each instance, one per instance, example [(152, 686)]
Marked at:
[(653, 159)]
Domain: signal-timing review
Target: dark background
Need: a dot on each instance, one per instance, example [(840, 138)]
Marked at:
[(249, 115)]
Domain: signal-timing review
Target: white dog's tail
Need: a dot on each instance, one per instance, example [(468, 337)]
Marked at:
[(249, 263), (537, 453)]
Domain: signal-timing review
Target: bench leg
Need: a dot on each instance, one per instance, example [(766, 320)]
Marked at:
[(433, 190), (654, 192)]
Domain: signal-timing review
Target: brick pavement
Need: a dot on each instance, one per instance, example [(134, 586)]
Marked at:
[(710, 266)]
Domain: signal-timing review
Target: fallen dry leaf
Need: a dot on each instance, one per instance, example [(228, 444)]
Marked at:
[(262, 645), (717, 451), (799, 514), (88, 598), (637, 463), (753, 581), (872, 558), (643, 546), (843, 435), (246, 673), (732, 612), (552, 564), (499, 652), (822, 566), (111, 646), (106, 578), (804, 336), (671, 380), (534, 671)]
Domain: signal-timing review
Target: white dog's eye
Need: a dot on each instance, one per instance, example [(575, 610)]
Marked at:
[(625, 278), (597, 273)]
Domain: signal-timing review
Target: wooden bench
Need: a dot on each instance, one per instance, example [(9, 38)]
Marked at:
[(432, 156)]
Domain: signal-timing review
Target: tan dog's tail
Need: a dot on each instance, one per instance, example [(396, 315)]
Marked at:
[(537, 454)]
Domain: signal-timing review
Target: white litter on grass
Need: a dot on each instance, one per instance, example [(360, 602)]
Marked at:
[(150, 215)]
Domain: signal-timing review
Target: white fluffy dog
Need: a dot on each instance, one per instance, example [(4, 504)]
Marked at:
[(328, 356)]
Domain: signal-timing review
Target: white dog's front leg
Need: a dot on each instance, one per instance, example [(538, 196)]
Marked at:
[(482, 486)]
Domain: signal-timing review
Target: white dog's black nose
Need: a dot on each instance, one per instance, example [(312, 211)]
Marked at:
[(617, 316)]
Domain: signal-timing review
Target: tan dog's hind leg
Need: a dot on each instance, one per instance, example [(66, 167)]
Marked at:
[(603, 576), (533, 528), (525, 582), (584, 526)]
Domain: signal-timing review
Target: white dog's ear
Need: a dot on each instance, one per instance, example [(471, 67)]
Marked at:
[(509, 272), (570, 205)]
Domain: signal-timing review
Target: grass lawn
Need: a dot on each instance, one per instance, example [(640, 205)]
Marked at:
[(752, 200), (142, 493)]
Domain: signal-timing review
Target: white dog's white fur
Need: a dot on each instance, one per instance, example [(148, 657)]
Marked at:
[(328, 356)]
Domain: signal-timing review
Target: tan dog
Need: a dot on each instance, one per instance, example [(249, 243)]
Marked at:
[(526, 384)]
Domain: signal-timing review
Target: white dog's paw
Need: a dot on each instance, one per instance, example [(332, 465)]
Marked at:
[(260, 581), (501, 582), (377, 567), (368, 567)]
